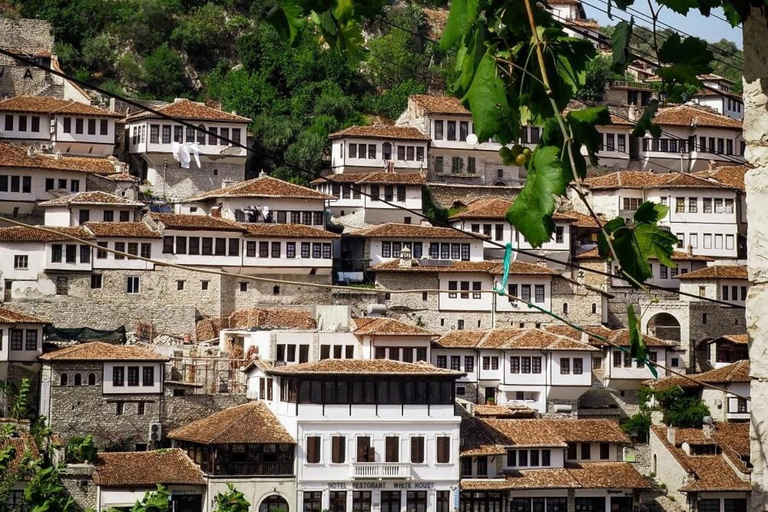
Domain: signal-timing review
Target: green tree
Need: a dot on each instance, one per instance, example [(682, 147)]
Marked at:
[(164, 73), (206, 35), (231, 501), (20, 409), (597, 76), (393, 102), (81, 449), (99, 54), (687, 412)]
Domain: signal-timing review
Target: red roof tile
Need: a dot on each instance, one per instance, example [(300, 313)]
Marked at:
[(644, 180), (15, 156), (263, 186), (8, 316), (250, 423), (381, 132), (511, 339), (138, 469), (362, 367), (439, 104), (379, 326), (286, 231), (731, 175), (688, 115), (122, 230), (717, 272), (47, 105), (390, 178), (100, 351), (196, 222), (95, 197), (43, 234), (190, 110), (594, 254), (392, 230), (735, 372)]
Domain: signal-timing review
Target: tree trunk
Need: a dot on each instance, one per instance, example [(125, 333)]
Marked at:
[(756, 182)]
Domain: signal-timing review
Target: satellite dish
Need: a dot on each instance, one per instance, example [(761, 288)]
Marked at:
[(472, 139)]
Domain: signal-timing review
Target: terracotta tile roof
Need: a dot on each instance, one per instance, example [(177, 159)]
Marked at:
[(581, 220), (731, 175), (251, 423), (486, 266), (362, 367), (8, 316), (734, 372), (285, 231), (718, 272), (393, 230), (688, 115), (263, 186), (46, 105), (52, 234), (440, 104), (587, 475), (692, 436), (740, 339), (511, 339), (15, 156), (593, 254), (197, 222), (525, 433), (554, 478), (620, 337), (95, 197), (22, 443), (607, 475), (134, 469), (190, 110), (594, 330), (505, 411), (477, 438), (120, 176), (644, 180), (100, 351), (381, 132), (733, 438), (122, 230), (392, 178), (378, 326), (496, 208)]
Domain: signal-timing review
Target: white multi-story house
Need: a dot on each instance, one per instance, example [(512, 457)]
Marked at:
[(358, 198), (379, 148), (723, 99), (727, 283), (703, 213), (262, 200), (22, 337), (543, 464), (447, 124), (544, 371), (725, 350), (59, 126), (731, 404), (620, 371), (150, 141), (96, 206), (28, 177), (368, 432)]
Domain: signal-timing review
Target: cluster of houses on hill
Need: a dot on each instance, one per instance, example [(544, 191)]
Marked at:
[(326, 347)]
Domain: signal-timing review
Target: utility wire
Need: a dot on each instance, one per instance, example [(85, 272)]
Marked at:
[(416, 213)]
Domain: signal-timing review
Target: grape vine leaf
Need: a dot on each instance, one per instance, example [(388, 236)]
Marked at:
[(685, 59), (622, 34), (637, 347), (531, 213), (680, 6), (461, 18), (286, 17), (582, 124), (645, 123), (487, 100)]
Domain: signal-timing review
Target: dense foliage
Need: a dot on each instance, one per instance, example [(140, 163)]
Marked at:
[(81, 449), (231, 501)]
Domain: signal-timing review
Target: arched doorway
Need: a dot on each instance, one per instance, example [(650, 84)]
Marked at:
[(664, 326), (274, 503)]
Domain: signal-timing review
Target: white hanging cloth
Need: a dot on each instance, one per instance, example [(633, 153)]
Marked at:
[(183, 153)]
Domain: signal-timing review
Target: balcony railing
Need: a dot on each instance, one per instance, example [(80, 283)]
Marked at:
[(255, 469), (365, 470)]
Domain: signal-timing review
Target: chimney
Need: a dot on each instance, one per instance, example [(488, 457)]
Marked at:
[(689, 250), (632, 113), (405, 258), (712, 165), (216, 212), (580, 277), (708, 427), (671, 435), (585, 338), (262, 173)]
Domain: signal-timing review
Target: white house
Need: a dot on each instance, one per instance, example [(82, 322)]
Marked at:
[(447, 124), (544, 371), (358, 198), (149, 144), (378, 148), (724, 100), (59, 126), (28, 177), (703, 213), (262, 200), (541, 464), (368, 432), (728, 283), (732, 404), (388, 338), (620, 371), (22, 337), (96, 206)]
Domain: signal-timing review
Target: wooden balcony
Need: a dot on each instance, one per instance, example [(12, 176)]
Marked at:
[(381, 470)]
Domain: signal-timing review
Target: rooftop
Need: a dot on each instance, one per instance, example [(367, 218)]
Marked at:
[(101, 351), (734, 372), (43, 234), (250, 423), (486, 266), (263, 186), (286, 231), (93, 198), (8, 316), (511, 339), (135, 469), (594, 254), (739, 339), (717, 272), (379, 326), (689, 115), (620, 337), (389, 178), (439, 104), (196, 222), (46, 105), (731, 175), (645, 180), (496, 208), (393, 230), (381, 132), (15, 156), (122, 230), (362, 367), (190, 110)]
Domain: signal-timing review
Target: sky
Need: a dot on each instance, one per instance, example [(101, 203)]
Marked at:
[(709, 28)]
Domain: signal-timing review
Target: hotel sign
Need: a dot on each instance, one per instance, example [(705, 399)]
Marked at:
[(395, 485)]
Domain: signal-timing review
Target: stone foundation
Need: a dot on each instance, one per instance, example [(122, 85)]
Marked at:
[(77, 479)]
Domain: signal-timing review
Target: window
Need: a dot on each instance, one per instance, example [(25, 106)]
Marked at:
[(718, 241), (476, 290), (679, 205), (154, 133), (451, 130), (525, 292), (438, 164), (372, 151), (20, 261), (392, 449), (22, 123), (471, 165), (313, 450), (220, 247), (586, 451), (456, 164), (119, 408), (442, 361), (443, 450), (96, 281), (91, 379), (452, 287), (729, 241), (148, 376), (133, 375), (118, 376), (133, 284), (243, 286), (578, 366), (565, 366), (140, 410), (707, 241), (78, 125), (605, 451), (539, 290), (30, 341), (610, 144), (338, 449), (693, 205)]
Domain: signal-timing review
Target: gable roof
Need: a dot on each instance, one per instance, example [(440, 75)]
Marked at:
[(15, 156), (620, 337), (644, 180), (8, 316), (285, 231), (739, 339), (263, 186), (250, 423), (717, 272), (390, 178), (731, 175), (496, 208), (122, 230), (100, 351), (190, 110), (129, 469), (734, 372), (416, 231), (486, 266), (196, 222), (94, 198), (594, 254), (511, 339), (379, 326), (46, 234), (363, 367), (381, 132), (47, 105), (439, 104), (689, 115)]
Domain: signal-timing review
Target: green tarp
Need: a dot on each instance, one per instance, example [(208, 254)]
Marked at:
[(116, 336)]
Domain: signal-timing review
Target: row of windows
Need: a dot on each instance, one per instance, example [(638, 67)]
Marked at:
[(708, 205), (713, 145), (495, 230), (392, 249), (439, 130), (366, 451), (108, 215), (21, 184), (275, 250), (80, 122), (23, 123), (416, 501), (403, 152), (50, 184), (306, 218), (21, 339), (68, 253), (133, 248), (147, 376), (614, 142), (453, 286), (627, 359), (733, 294), (469, 363), (525, 292), (733, 105), (132, 284), (405, 354), (158, 133), (457, 164), (393, 392), (141, 408), (207, 246), (693, 241), (78, 380)]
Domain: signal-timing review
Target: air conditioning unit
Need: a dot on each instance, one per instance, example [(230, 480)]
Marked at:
[(155, 432)]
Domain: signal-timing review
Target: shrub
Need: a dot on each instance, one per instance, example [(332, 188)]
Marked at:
[(81, 449)]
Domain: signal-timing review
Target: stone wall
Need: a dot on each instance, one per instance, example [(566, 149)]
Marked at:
[(625, 402), (31, 37), (177, 411), (78, 481), (271, 294), (445, 195), (177, 183), (668, 471)]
